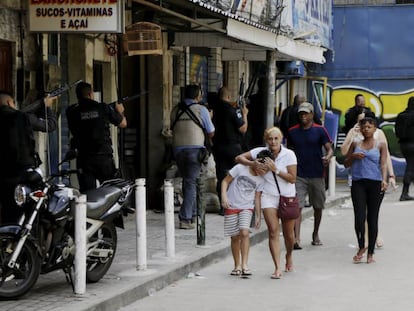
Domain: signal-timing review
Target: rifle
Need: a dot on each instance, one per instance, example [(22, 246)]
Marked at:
[(59, 91), (128, 98), (241, 92), (56, 92)]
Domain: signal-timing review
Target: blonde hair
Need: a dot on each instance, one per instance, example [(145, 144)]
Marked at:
[(272, 129)]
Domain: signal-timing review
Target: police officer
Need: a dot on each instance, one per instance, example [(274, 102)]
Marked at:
[(17, 152), (351, 116), (88, 122), (404, 129), (231, 124)]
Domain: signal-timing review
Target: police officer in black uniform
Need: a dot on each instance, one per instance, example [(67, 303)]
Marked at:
[(231, 124), (17, 153), (404, 130), (88, 122)]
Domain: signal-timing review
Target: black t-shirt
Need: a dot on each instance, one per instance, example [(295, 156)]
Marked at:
[(17, 143), (351, 116), (89, 124), (227, 121)]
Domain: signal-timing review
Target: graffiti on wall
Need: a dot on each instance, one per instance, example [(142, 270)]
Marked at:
[(199, 72), (385, 105)]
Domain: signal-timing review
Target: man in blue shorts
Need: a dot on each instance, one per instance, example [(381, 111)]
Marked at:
[(308, 140)]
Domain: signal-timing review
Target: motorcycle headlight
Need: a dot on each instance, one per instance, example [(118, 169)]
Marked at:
[(21, 194)]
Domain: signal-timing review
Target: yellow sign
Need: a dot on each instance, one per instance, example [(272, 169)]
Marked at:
[(76, 16)]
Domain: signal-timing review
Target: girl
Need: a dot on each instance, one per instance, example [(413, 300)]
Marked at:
[(368, 160)]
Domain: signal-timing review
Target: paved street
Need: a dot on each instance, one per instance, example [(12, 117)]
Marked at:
[(325, 277), (328, 267)]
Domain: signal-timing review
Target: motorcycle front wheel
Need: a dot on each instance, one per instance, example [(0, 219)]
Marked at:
[(97, 262), (17, 281)]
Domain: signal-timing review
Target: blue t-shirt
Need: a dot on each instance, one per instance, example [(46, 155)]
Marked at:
[(308, 144)]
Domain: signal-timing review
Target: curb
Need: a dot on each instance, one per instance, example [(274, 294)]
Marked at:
[(159, 282)]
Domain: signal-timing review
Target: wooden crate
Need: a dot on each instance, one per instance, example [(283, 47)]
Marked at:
[(143, 38)]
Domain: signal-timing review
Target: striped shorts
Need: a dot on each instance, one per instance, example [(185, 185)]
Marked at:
[(233, 223)]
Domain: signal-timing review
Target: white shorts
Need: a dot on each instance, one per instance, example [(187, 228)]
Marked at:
[(269, 201), (233, 223)]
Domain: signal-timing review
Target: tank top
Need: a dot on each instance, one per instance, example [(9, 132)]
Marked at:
[(369, 167)]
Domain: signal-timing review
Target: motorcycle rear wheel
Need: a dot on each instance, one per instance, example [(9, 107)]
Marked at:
[(17, 281), (96, 267)]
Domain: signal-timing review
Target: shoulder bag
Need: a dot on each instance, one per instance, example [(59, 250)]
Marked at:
[(288, 206)]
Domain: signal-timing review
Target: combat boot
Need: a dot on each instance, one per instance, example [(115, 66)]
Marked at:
[(404, 195)]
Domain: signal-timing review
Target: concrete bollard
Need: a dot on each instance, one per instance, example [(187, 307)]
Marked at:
[(141, 223), (201, 214), (80, 242), (332, 177), (169, 219)]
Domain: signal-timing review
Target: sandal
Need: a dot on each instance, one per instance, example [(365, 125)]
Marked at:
[(358, 257), (246, 272), (317, 243), (276, 275), (370, 259), (289, 268), (296, 246), (236, 272)]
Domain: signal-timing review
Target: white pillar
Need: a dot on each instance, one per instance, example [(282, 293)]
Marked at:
[(141, 223), (80, 242), (332, 177), (169, 219)]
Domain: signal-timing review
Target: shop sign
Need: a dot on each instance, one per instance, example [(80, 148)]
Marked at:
[(91, 16)]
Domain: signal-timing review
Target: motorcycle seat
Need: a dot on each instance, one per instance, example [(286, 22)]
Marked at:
[(100, 200)]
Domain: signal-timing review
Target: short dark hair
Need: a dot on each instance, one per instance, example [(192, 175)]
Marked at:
[(192, 91), (83, 90), (358, 95), (368, 120), (266, 153)]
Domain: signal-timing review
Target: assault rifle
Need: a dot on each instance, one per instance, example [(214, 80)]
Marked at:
[(240, 101), (56, 92), (128, 98), (59, 91)]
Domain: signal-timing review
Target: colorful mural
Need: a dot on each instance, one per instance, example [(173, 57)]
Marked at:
[(199, 72), (386, 107)]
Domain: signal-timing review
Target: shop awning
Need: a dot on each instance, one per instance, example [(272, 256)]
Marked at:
[(289, 48)]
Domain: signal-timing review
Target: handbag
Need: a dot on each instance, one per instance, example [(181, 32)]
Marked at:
[(288, 206)]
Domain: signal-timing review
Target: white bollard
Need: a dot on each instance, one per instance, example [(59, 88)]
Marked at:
[(332, 177), (80, 242), (141, 223), (169, 219)]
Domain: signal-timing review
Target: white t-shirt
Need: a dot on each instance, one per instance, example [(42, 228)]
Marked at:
[(242, 189), (285, 158)]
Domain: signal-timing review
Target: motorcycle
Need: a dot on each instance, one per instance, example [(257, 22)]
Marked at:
[(43, 239)]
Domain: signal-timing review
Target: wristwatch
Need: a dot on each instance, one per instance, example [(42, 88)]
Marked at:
[(277, 172)]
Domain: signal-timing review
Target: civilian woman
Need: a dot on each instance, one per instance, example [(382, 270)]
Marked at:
[(368, 160), (283, 163)]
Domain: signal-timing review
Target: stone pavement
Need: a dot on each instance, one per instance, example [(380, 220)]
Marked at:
[(123, 284)]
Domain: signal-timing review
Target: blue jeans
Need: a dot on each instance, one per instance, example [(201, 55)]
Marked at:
[(189, 167)]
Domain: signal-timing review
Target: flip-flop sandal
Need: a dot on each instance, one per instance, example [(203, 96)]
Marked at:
[(317, 243), (276, 276), (236, 272), (246, 272)]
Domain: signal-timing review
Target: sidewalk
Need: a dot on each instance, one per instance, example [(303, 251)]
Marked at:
[(123, 284)]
